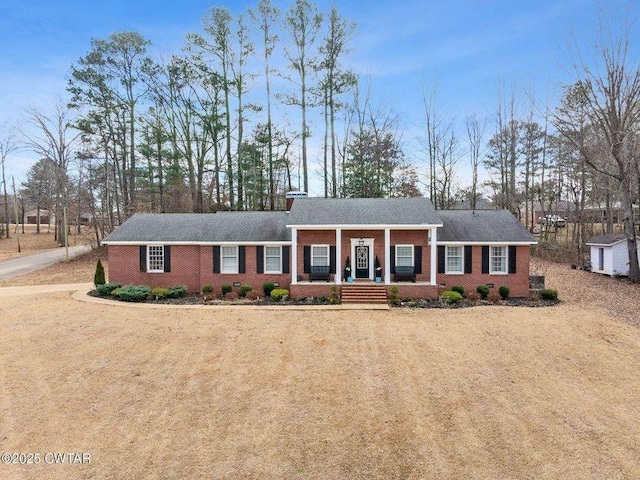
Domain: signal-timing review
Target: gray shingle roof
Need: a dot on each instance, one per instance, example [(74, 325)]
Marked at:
[(481, 226), (609, 239), (363, 211), (203, 227)]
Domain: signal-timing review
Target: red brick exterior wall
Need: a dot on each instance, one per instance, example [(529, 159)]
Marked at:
[(517, 282), (192, 266), (124, 267)]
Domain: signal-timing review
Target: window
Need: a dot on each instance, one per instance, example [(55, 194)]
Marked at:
[(404, 255), (155, 258), (273, 259), (454, 260), (229, 256), (498, 260), (319, 255)]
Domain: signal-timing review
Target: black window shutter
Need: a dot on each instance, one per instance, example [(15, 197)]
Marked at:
[(242, 259), (441, 258), (468, 259), (417, 259), (216, 259), (259, 259), (392, 259), (512, 258), (167, 259), (485, 259), (143, 258), (286, 255), (332, 259), (307, 259)]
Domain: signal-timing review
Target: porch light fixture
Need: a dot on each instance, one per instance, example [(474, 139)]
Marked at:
[(361, 242)]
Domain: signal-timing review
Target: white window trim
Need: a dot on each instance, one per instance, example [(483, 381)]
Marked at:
[(506, 260), (446, 260), (149, 259), (279, 256), (413, 253), (237, 255), (323, 246)]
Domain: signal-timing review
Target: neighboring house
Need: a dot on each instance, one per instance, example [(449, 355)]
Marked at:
[(610, 254), (32, 217), (420, 250)]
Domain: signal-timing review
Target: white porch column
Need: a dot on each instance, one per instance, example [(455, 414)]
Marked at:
[(387, 259), (434, 258), (338, 275), (294, 256)]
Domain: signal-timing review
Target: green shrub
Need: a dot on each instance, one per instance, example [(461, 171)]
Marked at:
[(548, 294), (278, 294), (225, 289), (107, 288), (459, 289), (207, 289), (504, 292), (244, 289), (177, 291), (159, 292), (483, 291), (451, 297), (98, 277), (134, 293), (267, 287), (335, 295), (393, 295), (115, 292)]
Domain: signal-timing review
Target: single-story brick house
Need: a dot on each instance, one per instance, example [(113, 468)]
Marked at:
[(610, 254), (309, 248)]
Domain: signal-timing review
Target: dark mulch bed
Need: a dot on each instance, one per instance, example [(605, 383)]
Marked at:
[(196, 299), (437, 303)]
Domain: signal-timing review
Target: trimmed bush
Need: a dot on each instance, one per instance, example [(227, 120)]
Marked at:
[(459, 289), (251, 295), (451, 297), (549, 294), (504, 292), (493, 297), (115, 292), (225, 289), (107, 288), (278, 294), (177, 291), (159, 292), (134, 293), (231, 296), (244, 289), (98, 277), (267, 287), (393, 296), (483, 291), (207, 289)]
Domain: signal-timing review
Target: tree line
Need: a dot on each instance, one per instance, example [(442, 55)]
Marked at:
[(226, 123)]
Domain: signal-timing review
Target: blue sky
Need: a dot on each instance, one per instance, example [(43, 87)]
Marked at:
[(465, 47)]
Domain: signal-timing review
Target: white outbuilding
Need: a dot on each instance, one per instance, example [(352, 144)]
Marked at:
[(609, 254)]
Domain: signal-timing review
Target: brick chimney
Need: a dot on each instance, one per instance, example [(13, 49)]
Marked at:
[(291, 196)]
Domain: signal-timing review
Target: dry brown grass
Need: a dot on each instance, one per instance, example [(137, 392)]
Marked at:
[(617, 297), (481, 393), (32, 242)]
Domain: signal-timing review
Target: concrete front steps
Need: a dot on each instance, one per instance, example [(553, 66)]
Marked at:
[(363, 293)]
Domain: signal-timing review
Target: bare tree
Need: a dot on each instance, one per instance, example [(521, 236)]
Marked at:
[(51, 137), (475, 134), (302, 22), (609, 94), (8, 145)]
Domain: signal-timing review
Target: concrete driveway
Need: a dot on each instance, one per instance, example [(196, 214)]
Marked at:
[(29, 263)]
